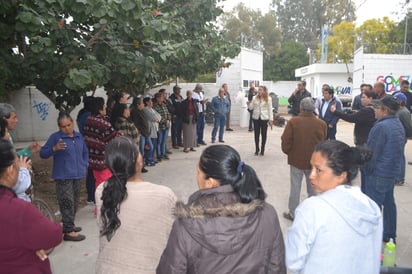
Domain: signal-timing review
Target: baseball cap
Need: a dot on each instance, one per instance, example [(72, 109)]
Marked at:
[(390, 102), (400, 97)]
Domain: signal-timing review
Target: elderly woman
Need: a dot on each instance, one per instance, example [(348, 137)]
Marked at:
[(190, 113), (8, 115), (26, 232), (70, 160), (339, 230), (135, 216), (226, 227)]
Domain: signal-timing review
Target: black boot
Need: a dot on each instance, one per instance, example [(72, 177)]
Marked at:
[(262, 151)]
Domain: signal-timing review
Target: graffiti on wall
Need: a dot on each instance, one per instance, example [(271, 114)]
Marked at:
[(42, 109), (392, 83), (343, 90)]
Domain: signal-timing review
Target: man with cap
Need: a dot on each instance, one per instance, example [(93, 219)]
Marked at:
[(387, 141), (405, 117), (404, 88), (198, 96), (176, 99)]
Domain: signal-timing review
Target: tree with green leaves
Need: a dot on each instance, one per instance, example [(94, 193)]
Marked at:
[(282, 66), (376, 35), (341, 43), (302, 20), (250, 28), (399, 33), (66, 48)]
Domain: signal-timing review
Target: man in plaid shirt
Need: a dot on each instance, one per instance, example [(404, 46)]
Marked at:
[(164, 124)]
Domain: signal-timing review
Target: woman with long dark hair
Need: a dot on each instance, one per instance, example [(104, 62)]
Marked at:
[(340, 229), (134, 216), (226, 226), (262, 115), (122, 122), (26, 232)]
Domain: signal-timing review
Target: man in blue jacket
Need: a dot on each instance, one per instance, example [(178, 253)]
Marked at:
[(220, 106), (386, 140)]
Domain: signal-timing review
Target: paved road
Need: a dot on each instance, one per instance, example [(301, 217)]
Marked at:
[(179, 173)]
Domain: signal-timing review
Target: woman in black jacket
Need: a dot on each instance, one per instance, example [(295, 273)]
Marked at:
[(364, 120), (226, 227)]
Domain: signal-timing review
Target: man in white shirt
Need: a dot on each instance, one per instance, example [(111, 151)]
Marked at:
[(198, 96)]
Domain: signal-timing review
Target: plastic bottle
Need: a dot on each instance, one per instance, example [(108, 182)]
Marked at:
[(389, 254)]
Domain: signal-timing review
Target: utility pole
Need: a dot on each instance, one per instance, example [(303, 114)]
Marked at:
[(325, 38), (406, 27)]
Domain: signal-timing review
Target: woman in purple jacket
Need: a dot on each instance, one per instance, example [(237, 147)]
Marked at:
[(226, 227), (24, 231), (70, 157)]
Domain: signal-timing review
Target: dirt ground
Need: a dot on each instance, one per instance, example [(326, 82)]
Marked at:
[(44, 185)]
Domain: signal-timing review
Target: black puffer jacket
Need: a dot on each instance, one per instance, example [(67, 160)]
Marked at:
[(185, 111), (215, 233)]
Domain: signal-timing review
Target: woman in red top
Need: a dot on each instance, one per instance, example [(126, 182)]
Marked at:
[(189, 118), (24, 232)]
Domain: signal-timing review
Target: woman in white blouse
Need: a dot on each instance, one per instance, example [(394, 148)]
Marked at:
[(262, 117)]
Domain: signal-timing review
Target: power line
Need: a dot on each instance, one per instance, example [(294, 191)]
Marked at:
[(361, 4)]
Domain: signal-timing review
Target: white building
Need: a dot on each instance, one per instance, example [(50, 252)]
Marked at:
[(390, 69), (339, 76), (245, 69)]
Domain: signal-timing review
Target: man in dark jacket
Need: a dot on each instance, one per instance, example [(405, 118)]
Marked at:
[(299, 93), (176, 98), (387, 141), (326, 114)]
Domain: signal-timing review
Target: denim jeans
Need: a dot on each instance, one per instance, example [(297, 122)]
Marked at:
[(380, 190), (220, 121), (143, 142), (331, 133), (177, 131), (162, 142), (401, 176), (151, 155), (200, 126), (296, 176)]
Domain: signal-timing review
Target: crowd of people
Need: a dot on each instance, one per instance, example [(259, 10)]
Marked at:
[(382, 125), (226, 226)]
